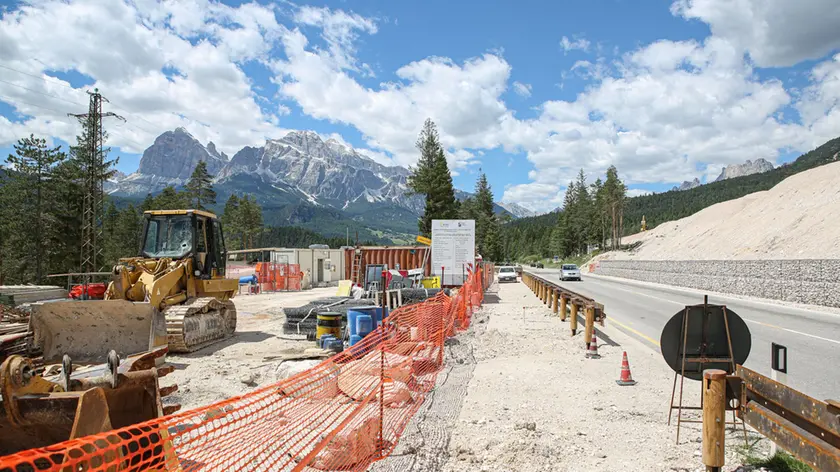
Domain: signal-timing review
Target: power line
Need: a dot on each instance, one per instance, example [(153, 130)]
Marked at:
[(37, 76), (12, 100), (42, 93), (68, 86), (131, 113)]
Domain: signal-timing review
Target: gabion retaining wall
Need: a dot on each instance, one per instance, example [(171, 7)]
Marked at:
[(811, 281)]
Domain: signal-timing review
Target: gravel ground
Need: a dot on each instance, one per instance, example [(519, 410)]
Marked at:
[(534, 402), (237, 365)]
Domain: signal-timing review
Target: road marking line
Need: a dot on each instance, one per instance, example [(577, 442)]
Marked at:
[(745, 319), (792, 331), (648, 338), (650, 296)]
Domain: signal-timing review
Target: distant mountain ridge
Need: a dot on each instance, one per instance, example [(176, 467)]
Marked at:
[(730, 172), (298, 179), (747, 168)]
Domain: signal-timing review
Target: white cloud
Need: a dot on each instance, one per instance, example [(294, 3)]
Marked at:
[(776, 33), (658, 113), (637, 192), (574, 44), (538, 197), (463, 99), (340, 30), (521, 89), (210, 95)]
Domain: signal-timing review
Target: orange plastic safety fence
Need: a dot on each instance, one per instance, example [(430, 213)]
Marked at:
[(342, 414)]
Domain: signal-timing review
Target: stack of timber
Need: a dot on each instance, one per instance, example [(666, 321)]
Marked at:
[(19, 294), (15, 335)]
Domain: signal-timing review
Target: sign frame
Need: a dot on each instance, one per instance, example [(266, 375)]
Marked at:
[(453, 247)]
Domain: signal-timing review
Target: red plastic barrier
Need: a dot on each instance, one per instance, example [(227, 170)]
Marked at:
[(94, 291)]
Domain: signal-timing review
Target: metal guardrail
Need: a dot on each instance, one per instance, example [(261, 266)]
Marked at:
[(560, 299), (807, 428)]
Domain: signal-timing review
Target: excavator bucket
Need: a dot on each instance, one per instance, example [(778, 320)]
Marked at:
[(99, 399), (87, 330)]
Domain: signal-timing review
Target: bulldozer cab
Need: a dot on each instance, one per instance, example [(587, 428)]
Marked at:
[(182, 234)]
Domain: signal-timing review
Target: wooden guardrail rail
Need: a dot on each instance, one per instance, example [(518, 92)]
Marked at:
[(560, 299)]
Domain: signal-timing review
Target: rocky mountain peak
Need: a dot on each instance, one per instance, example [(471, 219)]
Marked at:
[(516, 210), (747, 168), (175, 154), (211, 148), (686, 185)]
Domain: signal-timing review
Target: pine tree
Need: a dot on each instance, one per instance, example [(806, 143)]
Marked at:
[(251, 220), (431, 178), (428, 143), (615, 194), (200, 187), (467, 210), (168, 199), (232, 223), (34, 168), (486, 222)]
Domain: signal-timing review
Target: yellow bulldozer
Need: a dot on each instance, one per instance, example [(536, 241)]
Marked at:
[(181, 272), (101, 359)]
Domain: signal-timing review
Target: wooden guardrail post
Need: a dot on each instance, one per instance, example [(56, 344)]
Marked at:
[(554, 302), (714, 419), (590, 323), (573, 315), (562, 307)]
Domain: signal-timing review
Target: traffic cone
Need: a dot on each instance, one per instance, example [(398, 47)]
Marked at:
[(592, 351), (626, 378)]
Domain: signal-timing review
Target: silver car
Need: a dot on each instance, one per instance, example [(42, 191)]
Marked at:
[(569, 272), (507, 274)]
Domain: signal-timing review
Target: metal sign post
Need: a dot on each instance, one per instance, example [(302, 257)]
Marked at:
[(778, 366)]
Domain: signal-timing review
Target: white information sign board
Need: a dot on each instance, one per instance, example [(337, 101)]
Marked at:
[(453, 249)]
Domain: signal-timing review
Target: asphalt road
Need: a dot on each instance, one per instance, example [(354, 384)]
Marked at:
[(811, 336)]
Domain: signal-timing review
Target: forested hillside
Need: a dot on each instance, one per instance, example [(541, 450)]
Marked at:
[(532, 235)]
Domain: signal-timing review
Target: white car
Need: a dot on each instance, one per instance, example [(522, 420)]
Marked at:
[(569, 272), (507, 274)]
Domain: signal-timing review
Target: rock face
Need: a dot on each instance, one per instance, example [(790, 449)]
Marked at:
[(175, 154), (300, 167), (169, 161), (330, 173), (747, 168), (516, 210), (686, 185)]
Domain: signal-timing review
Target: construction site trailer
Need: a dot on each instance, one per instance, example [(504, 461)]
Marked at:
[(320, 266)]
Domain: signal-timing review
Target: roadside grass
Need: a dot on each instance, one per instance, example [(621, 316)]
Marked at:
[(780, 462)]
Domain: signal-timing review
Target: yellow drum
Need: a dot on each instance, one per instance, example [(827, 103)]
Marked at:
[(328, 323)]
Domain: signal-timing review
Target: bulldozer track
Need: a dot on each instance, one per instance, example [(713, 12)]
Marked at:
[(198, 323)]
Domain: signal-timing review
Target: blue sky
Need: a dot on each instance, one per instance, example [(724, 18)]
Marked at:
[(529, 92)]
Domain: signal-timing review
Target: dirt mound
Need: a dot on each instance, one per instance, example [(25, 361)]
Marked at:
[(797, 219)]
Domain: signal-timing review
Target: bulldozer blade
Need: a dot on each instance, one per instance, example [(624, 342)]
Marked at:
[(87, 330)]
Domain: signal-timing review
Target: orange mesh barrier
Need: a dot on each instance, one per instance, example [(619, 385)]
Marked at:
[(342, 414)]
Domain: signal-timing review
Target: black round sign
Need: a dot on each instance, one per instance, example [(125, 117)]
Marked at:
[(706, 337)]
